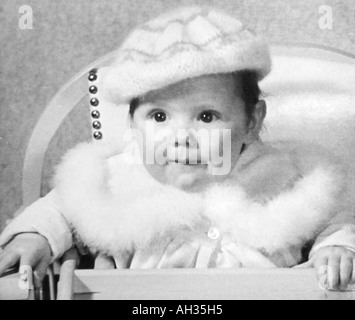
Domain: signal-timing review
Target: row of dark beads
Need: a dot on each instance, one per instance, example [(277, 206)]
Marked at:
[(95, 102)]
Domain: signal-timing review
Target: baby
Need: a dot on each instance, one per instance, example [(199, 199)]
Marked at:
[(195, 187)]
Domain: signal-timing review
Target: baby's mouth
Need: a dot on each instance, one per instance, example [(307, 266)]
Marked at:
[(185, 162)]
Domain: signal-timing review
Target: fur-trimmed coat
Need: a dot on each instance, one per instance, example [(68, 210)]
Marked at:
[(275, 203)]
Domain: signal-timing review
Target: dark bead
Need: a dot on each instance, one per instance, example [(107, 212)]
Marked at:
[(95, 114), (97, 135), (93, 71), (92, 77), (93, 89), (96, 125), (94, 102)]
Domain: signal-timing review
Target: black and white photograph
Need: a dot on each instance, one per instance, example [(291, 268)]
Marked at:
[(177, 154)]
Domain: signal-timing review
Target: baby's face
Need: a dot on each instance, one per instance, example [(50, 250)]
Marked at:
[(191, 133)]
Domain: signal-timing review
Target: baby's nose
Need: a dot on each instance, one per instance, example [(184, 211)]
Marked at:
[(184, 138)]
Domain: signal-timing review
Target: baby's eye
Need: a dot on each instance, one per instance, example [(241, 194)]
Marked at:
[(159, 116), (207, 116)]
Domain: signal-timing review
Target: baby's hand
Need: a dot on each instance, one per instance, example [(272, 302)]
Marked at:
[(30, 249), (335, 267)]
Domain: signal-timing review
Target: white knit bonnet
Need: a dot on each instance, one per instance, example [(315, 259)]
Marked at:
[(185, 43)]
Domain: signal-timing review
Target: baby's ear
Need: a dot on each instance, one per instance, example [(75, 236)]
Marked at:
[(257, 120)]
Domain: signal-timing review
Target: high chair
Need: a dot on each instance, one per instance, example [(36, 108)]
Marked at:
[(310, 96), (10, 288)]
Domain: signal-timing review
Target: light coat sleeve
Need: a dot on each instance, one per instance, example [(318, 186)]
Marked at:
[(44, 217), (340, 232)]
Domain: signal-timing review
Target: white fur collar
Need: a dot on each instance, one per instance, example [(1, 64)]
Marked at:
[(277, 196)]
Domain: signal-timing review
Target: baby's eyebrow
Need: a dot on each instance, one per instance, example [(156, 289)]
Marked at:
[(208, 106), (152, 105)]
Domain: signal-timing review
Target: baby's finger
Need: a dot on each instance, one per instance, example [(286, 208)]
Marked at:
[(40, 272), (346, 269), (321, 267), (334, 272), (7, 260), (104, 263), (353, 273), (29, 260)]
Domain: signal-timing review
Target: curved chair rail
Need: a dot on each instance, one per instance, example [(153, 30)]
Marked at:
[(56, 111)]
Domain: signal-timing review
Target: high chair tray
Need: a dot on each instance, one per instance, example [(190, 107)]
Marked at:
[(200, 284), (10, 289)]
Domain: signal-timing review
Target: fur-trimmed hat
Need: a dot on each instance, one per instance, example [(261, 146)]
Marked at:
[(185, 43)]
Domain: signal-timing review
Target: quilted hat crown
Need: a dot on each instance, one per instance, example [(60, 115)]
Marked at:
[(186, 43)]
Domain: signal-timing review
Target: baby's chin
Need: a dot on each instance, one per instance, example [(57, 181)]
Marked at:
[(190, 178)]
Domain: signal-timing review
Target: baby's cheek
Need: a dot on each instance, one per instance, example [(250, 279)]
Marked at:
[(161, 136), (216, 145), (231, 146), (155, 141), (228, 140)]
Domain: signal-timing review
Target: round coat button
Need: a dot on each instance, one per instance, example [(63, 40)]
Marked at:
[(213, 233)]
